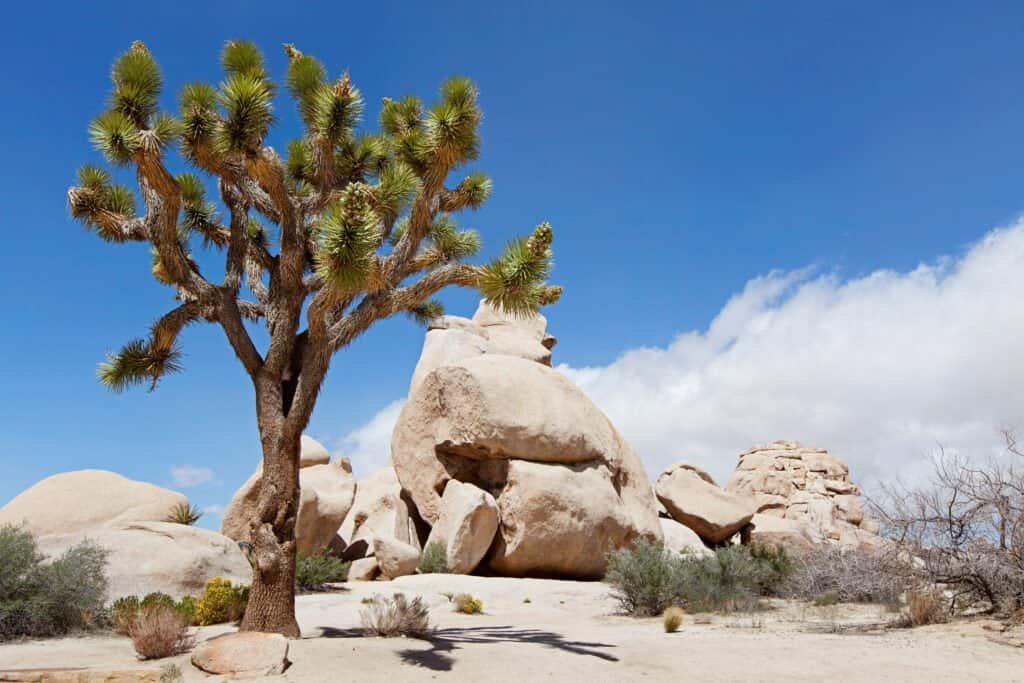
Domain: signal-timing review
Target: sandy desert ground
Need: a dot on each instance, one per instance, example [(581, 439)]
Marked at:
[(569, 631)]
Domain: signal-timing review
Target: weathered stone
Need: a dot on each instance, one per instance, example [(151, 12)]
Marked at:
[(242, 654), (364, 569), (680, 538), (394, 557), (715, 515), (379, 510), (84, 500), (159, 556), (465, 526)]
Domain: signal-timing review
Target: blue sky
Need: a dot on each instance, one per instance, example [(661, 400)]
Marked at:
[(679, 149)]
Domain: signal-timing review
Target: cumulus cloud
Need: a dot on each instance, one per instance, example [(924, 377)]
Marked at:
[(880, 369), (369, 446), (187, 476)]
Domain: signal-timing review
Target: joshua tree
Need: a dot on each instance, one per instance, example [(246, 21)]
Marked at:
[(348, 229)]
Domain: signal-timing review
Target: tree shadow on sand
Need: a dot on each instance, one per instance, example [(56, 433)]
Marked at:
[(444, 641)]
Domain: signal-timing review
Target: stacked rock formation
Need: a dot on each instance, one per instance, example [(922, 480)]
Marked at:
[(802, 494), (546, 485), (691, 498), (128, 518)]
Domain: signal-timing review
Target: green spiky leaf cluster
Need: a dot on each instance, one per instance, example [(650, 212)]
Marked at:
[(101, 204), (445, 243), (426, 312), (349, 235), (138, 362), (515, 281)]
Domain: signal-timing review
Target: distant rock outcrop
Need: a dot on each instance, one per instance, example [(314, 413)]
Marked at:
[(807, 487), (485, 408)]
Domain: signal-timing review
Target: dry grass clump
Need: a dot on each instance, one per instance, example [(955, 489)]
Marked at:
[(467, 604), (926, 606), (159, 631), (396, 616), (672, 619)]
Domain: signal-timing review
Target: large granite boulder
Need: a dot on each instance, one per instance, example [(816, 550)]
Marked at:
[(692, 498), (466, 525), (243, 654), (326, 494), (680, 538), (72, 502), (158, 556), (568, 486), (807, 485), (380, 510)]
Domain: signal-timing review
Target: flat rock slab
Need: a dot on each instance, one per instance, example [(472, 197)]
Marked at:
[(248, 653), (80, 676)]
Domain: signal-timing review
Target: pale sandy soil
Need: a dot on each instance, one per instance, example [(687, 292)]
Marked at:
[(569, 632)]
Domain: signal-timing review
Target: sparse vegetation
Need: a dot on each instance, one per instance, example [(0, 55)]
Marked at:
[(848, 575), (159, 631), (672, 618), (170, 673), (183, 513), (434, 559), (826, 599), (926, 605), (396, 616), (40, 598), (221, 602), (467, 604), (647, 579), (313, 572)]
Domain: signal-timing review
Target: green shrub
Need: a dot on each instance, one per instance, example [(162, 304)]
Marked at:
[(39, 598), (645, 579), (183, 513), (313, 571), (186, 607), (435, 559), (221, 602), (154, 599), (123, 612)]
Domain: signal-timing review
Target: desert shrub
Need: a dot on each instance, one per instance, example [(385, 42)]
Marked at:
[(123, 612), (170, 673), (159, 631), (187, 608), (826, 599), (434, 559), (467, 604), (396, 616), (672, 619), (183, 513), (155, 599), (39, 598), (312, 572), (221, 602), (926, 605), (645, 579), (849, 574)]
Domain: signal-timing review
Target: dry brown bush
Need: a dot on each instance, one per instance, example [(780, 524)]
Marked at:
[(848, 575), (396, 616), (159, 631), (926, 606)]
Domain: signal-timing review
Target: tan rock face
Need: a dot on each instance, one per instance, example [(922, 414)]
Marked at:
[(394, 557), (327, 491), (88, 499), (466, 525), (379, 510), (246, 653), (790, 533), (364, 569), (693, 499), (804, 485), (159, 556), (559, 520), (680, 538)]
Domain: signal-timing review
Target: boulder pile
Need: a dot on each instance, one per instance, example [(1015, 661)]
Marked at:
[(802, 494)]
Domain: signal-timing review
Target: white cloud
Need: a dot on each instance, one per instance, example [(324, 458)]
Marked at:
[(215, 510), (880, 369), (369, 446), (186, 476)]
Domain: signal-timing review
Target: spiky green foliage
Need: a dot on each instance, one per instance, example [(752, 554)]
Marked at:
[(396, 187), (115, 136), (257, 233), (472, 192), (515, 280), (336, 110), (452, 123), (184, 513), (445, 243), (164, 130), (243, 58), (427, 311), (197, 105), (138, 362), (349, 235), (101, 205), (304, 78), (246, 101), (137, 84)]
